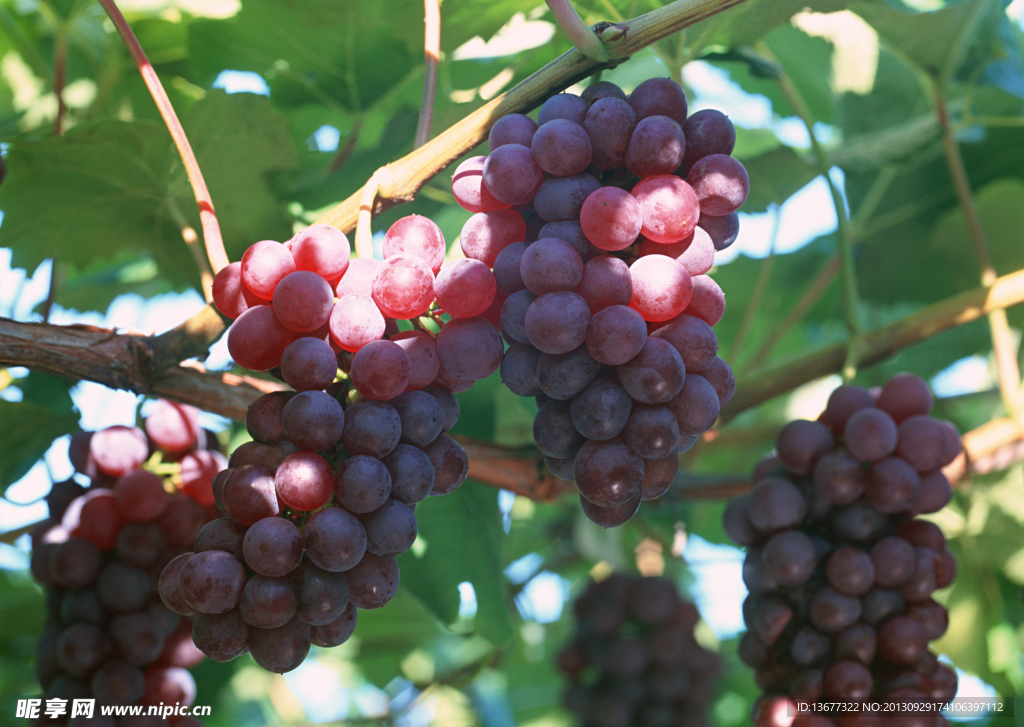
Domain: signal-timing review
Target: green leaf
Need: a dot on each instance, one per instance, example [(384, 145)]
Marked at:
[(774, 177), (46, 390), (1001, 209), (463, 543), (808, 63), (385, 636), (27, 431), (751, 21)]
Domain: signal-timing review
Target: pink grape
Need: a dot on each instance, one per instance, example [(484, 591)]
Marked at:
[(611, 218), (469, 348), (303, 301), (381, 370), (404, 286), (721, 184), (485, 234), (695, 252), (355, 321), (418, 236), (707, 301), (469, 190), (562, 106), (659, 96), (173, 427), (230, 295), (512, 129), (322, 249), (304, 481), (423, 361), (550, 265), (669, 207), (609, 124), (257, 339), (264, 264), (606, 281), (512, 174), (656, 147), (561, 147), (358, 277), (661, 287), (465, 288)]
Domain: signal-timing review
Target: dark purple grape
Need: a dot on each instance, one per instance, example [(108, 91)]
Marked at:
[(856, 643), (268, 603), (122, 587), (802, 443), (140, 544), (831, 611), (659, 474), (281, 649), (211, 581), (616, 334), (850, 571), (313, 420), (892, 486), (371, 427), (723, 231), (894, 561), (608, 473), (696, 406), (570, 230), (656, 146), (263, 417), (362, 484), (469, 348), (506, 268), (810, 648), (81, 648), (601, 410), (847, 681), (138, 639), (512, 129), (449, 406), (391, 529), (562, 106), (838, 478), (905, 395), (902, 640), (117, 683), (513, 315), (421, 417), (336, 632), (554, 431), (412, 473), (610, 517), (309, 364), (557, 322), (656, 375), (74, 563), (609, 124), (82, 606), (374, 581), (870, 435), (451, 465), (519, 369), (790, 557), (776, 504), (322, 595), (257, 454), (736, 521), (857, 523), (249, 494), (708, 131), (659, 96), (651, 431), (221, 637), (881, 603), (771, 617), (272, 547), (334, 539)]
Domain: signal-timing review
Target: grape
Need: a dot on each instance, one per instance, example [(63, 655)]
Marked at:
[(651, 431), (256, 340), (321, 596), (272, 547), (656, 375), (304, 481), (550, 265), (374, 581), (601, 410), (197, 472), (264, 265), (391, 529), (170, 593), (421, 417), (230, 295), (655, 147), (924, 534), (695, 252), (572, 232), (736, 521), (659, 96), (98, 520), (423, 360), (371, 427), (512, 175), (892, 486), (82, 606), (256, 453), (469, 348), (932, 615), (561, 147), (362, 484), (894, 561), (696, 406), (608, 473), (122, 587), (870, 435), (334, 539), (707, 301), (789, 557), (117, 683), (309, 364), (610, 517), (554, 431), (556, 322), (322, 249), (221, 637), (118, 450), (513, 315), (605, 281), (845, 401), (802, 443), (81, 648), (562, 106), (560, 468), (723, 230), (707, 132), (616, 334), (953, 447), (249, 494), (721, 378), (693, 338), (506, 268), (358, 278), (263, 417), (609, 124), (850, 571), (847, 681), (921, 442), (658, 476), (934, 493), (720, 183), (417, 236), (486, 234), (905, 395), (661, 287), (74, 563), (831, 611), (314, 420), (519, 369), (776, 504), (173, 427), (141, 544), (303, 301), (469, 190), (137, 638), (771, 617), (268, 603), (380, 370), (668, 206), (355, 321), (859, 523), (412, 474), (512, 129), (880, 604), (564, 375), (839, 478), (221, 534), (856, 643), (810, 648), (923, 582), (602, 89), (337, 632), (449, 406), (560, 199), (451, 466), (140, 495), (173, 685), (403, 286), (902, 640), (211, 581), (465, 288), (611, 218), (449, 382), (282, 649)]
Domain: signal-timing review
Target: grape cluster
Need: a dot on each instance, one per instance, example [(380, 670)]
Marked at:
[(840, 572), (99, 555), (600, 223), (634, 661)]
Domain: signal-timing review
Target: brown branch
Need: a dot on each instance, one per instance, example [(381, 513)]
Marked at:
[(518, 469), (765, 384), (431, 54), (406, 176)]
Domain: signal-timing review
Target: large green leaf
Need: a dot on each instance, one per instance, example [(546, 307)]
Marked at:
[(27, 430)]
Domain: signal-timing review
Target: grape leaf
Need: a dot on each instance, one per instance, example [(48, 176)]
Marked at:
[(27, 431)]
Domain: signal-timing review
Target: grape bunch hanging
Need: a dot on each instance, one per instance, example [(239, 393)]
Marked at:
[(633, 661), (318, 505), (604, 290), (840, 571), (98, 556)]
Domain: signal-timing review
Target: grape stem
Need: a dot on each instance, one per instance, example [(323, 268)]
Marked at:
[(212, 238), (364, 231), (1003, 346), (578, 32), (411, 172), (431, 54)]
